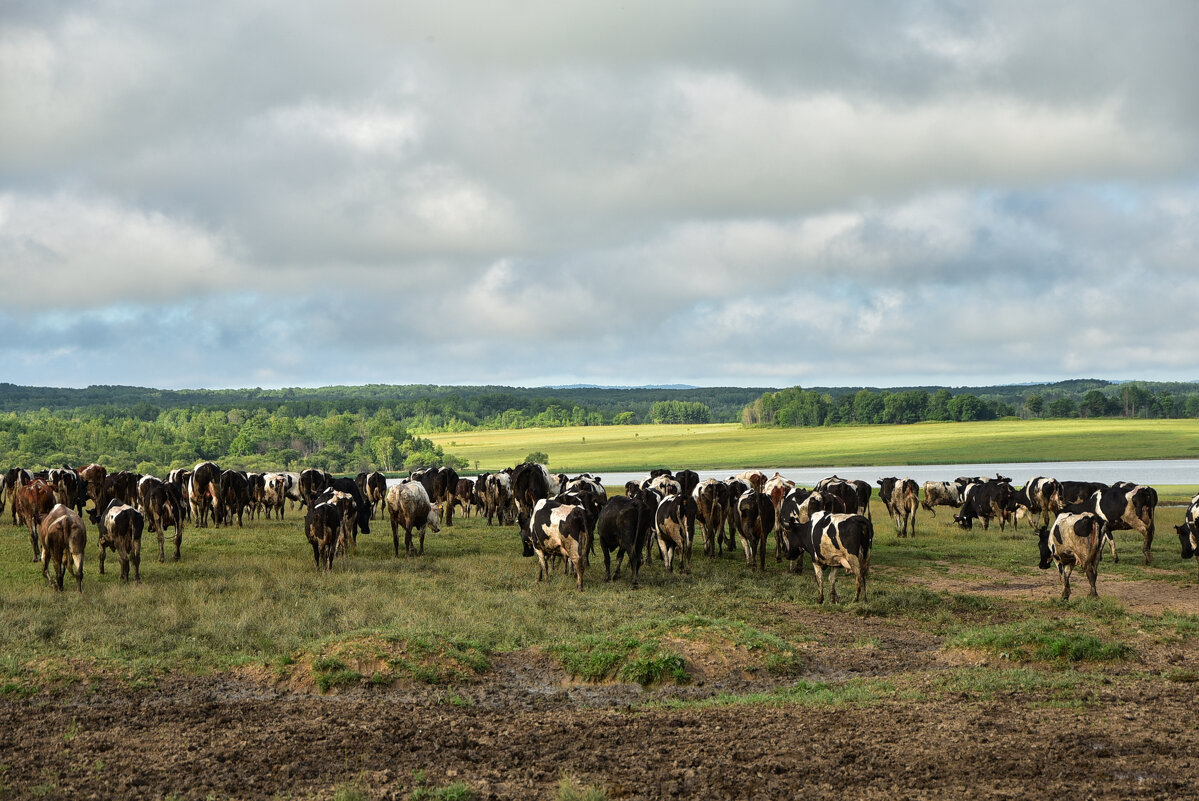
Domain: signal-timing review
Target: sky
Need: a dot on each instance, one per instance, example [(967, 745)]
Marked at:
[(262, 193)]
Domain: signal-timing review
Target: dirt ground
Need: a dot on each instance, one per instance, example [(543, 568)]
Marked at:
[(520, 728)]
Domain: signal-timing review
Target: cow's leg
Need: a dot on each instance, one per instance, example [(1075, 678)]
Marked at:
[(135, 556), (316, 554), (1064, 571), (819, 571), (1147, 534), (178, 539), (60, 567), (103, 550), (162, 553), (832, 583), (421, 552), (607, 562), (46, 565), (395, 537), (861, 571), (1093, 574), (37, 551), (762, 552)]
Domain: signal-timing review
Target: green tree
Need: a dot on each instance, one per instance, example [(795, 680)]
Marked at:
[(1034, 405), (541, 457)]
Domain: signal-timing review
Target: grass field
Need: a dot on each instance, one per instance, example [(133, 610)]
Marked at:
[(253, 597), (730, 446)]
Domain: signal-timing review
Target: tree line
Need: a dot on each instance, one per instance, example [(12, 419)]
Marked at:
[(796, 406)]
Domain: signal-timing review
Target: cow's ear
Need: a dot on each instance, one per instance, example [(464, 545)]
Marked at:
[(1184, 538)]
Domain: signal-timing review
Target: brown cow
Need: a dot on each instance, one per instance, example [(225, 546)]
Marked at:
[(901, 497), (31, 503), (63, 539)]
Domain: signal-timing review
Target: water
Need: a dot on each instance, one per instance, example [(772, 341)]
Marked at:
[(1151, 471)]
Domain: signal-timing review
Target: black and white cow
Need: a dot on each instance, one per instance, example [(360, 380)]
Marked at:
[(675, 530), (498, 498), (441, 483), (1122, 506), (986, 500), (854, 494), (313, 482), (557, 528), (1041, 496), (834, 541), (736, 487), (323, 526), (361, 522), (160, 504), (901, 497), (121, 530), (624, 526), (941, 493), (1076, 540), (1188, 532)]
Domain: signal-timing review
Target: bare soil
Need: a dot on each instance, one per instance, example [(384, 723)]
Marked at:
[(516, 730)]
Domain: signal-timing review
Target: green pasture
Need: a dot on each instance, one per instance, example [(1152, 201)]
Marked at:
[(251, 599), (730, 446)]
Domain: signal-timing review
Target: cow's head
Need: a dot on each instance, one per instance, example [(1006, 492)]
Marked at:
[(1184, 537), (434, 518), (964, 521), (1043, 543)]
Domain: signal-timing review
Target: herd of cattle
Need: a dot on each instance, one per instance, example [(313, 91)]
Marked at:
[(562, 517)]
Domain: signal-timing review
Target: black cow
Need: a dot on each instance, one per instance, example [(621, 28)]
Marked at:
[(362, 511), (530, 483), (856, 500), (624, 525), (313, 482), (234, 489), (756, 520), (441, 483), (736, 488), (984, 500), (323, 527), (834, 541)]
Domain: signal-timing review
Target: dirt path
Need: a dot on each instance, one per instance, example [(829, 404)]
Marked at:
[(1137, 595), (213, 737)]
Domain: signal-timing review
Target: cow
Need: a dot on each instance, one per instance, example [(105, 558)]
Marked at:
[(854, 494), (984, 500), (361, 521), (557, 528), (94, 475), (69, 490), (204, 490), (756, 515), (1041, 495), (664, 484), (121, 530), (63, 539), (441, 483), (180, 477), (711, 502), (1188, 532), (32, 502), (1122, 506), (498, 498), (409, 507), (756, 479), (941, 493), (323, 526), (256, 484), (834, 541), (736, 488), (293, 489), (313, 482), (1076, 540), (13, 478), (530, 483), (1076, 494), (160, 504), (624, 525), (688, 479), (478, 498), (464, 495), (234, 489), (777, 488), (274, 494), (589, 483), (675, 530), (901, 497)]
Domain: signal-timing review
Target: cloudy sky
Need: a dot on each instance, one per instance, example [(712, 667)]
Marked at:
[(262, 193)]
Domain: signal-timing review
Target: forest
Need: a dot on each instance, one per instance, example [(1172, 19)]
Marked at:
[(348, 429)]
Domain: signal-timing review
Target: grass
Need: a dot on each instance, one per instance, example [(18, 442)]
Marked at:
[(730, 446), (571, 789), (252, 597)]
